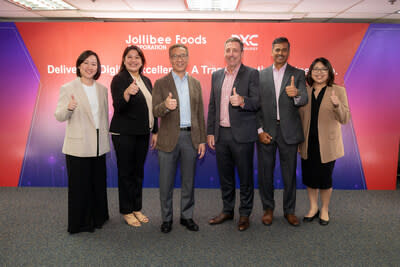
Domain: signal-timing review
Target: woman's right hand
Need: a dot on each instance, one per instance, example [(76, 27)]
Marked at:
[(133, 89), (72, 104)]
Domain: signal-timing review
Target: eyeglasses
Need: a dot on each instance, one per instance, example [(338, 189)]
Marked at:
[(182, 56), (320, 70)]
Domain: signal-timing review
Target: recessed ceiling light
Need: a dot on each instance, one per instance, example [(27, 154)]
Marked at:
[(398, 12), (216, 5), (42, 4)]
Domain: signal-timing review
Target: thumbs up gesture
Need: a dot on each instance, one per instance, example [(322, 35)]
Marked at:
[(132, 88), (235, 99), (335, 99), (170, 102), (291, 90), (72, 104)]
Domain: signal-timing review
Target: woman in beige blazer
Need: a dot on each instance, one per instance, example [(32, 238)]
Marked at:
[(322, 117), (83, 103)]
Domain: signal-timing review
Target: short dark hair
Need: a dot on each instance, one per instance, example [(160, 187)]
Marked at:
[(172, 47), (281, 40), (235, 39), (82, 57), (140, 53), (326, 63)]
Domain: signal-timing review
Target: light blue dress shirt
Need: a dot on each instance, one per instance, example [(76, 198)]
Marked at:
[(182, 86)]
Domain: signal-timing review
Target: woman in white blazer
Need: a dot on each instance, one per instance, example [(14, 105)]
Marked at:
[(321, 118), (83, 103)]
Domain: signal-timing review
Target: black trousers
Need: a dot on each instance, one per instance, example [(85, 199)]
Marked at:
[(231, 154), (131, 151), (87, 193)]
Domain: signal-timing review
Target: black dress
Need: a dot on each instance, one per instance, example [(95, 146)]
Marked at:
[(315, 173)]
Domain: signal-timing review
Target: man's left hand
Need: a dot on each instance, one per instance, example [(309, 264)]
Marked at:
[(291, 90), (235, 99)]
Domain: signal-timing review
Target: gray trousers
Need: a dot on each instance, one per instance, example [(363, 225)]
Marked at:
[(186, 154), (266, 166)]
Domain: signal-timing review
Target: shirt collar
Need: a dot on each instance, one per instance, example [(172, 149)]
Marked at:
[(234, 71), (281, 69), (176, 76)]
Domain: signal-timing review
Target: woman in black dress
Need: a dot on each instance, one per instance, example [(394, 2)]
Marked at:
[(322, 117), (130, 128)]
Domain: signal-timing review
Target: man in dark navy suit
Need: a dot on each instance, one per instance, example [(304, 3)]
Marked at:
[(232, 130)]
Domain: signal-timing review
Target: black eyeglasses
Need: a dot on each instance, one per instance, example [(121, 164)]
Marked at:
[(182, 56), (320, 70)]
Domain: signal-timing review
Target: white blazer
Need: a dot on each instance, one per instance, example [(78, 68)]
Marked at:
[(80, 134)]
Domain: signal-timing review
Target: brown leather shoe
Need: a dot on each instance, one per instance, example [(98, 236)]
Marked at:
[(292, 219), (267, 217), (222, 217), (244, 223)]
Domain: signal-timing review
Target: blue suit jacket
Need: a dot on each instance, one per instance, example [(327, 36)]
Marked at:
[(242, 120)]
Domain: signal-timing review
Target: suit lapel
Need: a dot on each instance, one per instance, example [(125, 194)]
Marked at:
[(237, 79), (171, 85), (270, 83), (326, 99), (220, 81), (82, 97), (286, 78)]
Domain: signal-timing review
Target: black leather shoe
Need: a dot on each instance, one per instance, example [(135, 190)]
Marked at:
[(323, 222), (166, 227), (310, 219), (190, 224)]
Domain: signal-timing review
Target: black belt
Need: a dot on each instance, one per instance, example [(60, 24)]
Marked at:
[(188, 129), (278, 122)]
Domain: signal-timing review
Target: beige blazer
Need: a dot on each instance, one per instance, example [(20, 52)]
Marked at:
[(80, 134), (168, 132), (329, 120)]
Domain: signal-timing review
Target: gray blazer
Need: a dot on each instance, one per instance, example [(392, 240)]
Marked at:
[(80, 134), (290, 122), (242, 120), (168, 132)]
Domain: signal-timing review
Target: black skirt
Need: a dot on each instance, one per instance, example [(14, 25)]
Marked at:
[(316, 174)]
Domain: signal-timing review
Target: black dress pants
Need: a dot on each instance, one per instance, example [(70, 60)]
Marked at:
[(231, 154), (131, 151), (87, 193)]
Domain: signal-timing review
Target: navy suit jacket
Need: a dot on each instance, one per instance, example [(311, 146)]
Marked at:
[(242, 120)]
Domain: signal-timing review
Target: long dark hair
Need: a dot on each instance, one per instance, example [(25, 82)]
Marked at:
[(140, 53)]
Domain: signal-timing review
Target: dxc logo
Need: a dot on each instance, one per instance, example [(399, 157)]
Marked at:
[(248, 40)]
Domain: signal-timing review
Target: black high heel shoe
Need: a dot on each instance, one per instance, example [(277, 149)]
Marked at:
[(310, 219), (323, 222)]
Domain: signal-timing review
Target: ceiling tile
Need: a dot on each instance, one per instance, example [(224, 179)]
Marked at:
[(7, 6), (323, 6), (266, 6), (60, 14), (150, 5), (105, 5), (19, 14), (382, 6), (353, 15)]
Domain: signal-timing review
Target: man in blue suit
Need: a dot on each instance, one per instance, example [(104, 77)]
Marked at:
[(232, 130), (282, 92)]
